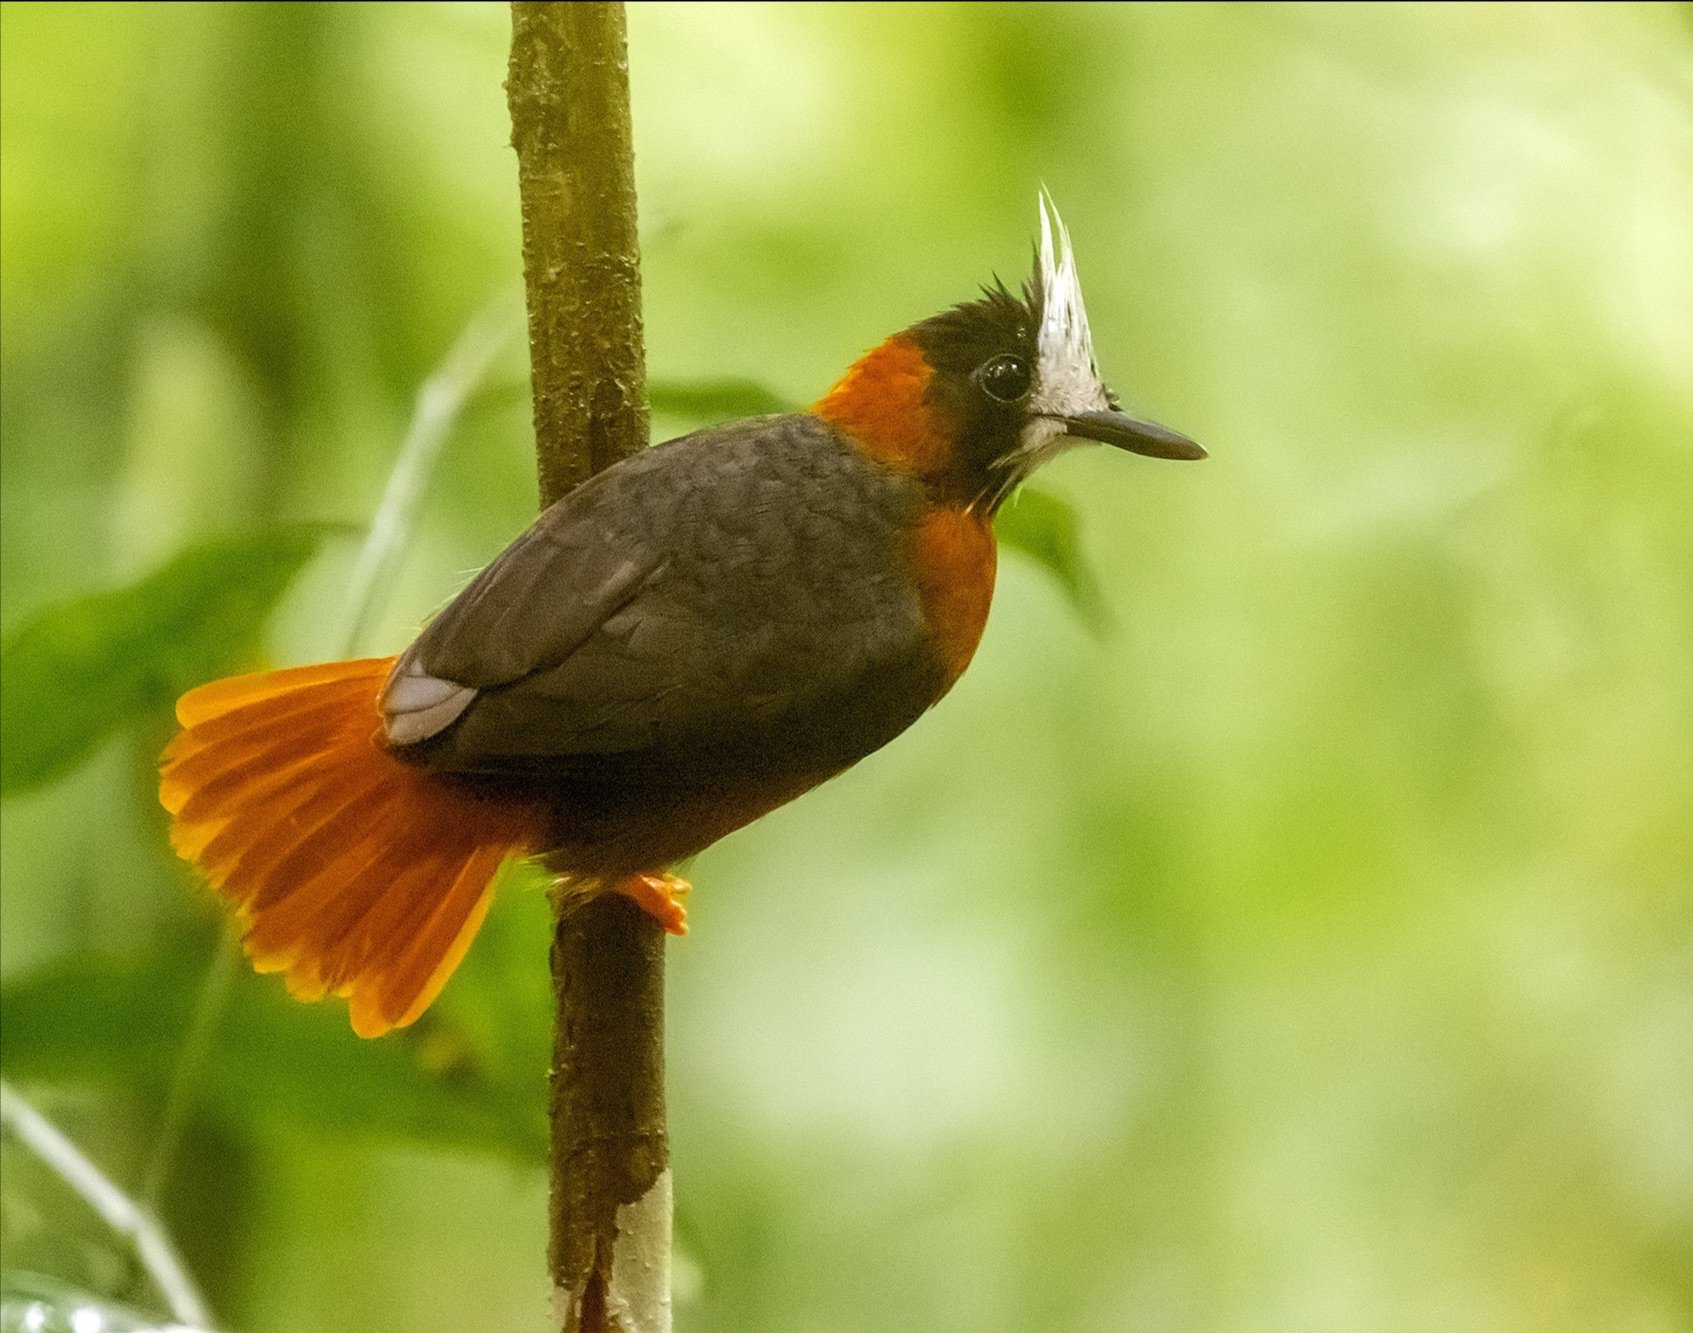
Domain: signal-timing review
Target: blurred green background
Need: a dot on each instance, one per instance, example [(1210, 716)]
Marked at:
[(1308, 946)]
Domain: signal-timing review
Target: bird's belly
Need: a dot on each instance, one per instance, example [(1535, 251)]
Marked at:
[(603, 831), (616, 815)]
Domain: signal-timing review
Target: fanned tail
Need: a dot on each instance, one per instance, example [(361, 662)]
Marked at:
[(353, 872)]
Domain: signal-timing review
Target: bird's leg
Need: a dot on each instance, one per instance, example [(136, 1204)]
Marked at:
[(660, 897)]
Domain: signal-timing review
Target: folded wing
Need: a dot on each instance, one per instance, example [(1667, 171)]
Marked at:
[(727, 585)]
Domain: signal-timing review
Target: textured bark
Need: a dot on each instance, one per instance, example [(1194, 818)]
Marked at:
[(568, 90)]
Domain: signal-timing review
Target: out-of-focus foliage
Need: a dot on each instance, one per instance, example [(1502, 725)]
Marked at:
[(121, 1024), (714, 400), (1309, 948), (79, 669), (1046, 529)]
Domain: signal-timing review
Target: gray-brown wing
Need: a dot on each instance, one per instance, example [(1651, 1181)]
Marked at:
[(710, 587)]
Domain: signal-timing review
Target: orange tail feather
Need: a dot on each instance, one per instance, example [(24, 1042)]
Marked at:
[(354, 873)]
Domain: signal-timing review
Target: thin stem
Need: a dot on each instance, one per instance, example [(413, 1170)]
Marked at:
[(190, 1066), (121, 1213), (440, 400)]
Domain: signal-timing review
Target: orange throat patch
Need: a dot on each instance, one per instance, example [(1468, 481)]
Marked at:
[(882, 403)]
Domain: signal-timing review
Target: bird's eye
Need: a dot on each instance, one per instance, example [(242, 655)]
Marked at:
[(1005, 378)]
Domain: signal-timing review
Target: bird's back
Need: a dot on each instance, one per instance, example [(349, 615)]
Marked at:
[(701, 633)]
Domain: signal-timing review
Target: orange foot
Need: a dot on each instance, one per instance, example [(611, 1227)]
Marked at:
[(660, 897)]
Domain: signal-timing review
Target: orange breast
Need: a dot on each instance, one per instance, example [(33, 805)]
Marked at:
[(953, 559)]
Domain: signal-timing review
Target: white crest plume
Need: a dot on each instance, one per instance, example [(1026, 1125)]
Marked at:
[(1066, 380)]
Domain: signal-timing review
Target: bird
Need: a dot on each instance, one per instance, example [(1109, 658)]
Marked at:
[(693, 637)]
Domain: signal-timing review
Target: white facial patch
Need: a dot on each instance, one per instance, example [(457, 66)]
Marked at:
[(1066, 381)]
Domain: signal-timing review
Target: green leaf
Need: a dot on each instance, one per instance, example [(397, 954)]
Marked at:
[(1047, 531), (714, 400), (122, 1022), (75, 672)]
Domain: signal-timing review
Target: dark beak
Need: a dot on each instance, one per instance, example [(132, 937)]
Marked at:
[(1131, 433)]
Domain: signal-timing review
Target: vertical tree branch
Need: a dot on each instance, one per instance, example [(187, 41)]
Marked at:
[(568, 90)]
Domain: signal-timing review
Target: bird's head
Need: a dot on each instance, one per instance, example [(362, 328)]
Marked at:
[(977, 397)]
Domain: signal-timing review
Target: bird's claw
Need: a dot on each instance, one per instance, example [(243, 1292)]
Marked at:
[(660, 897)]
